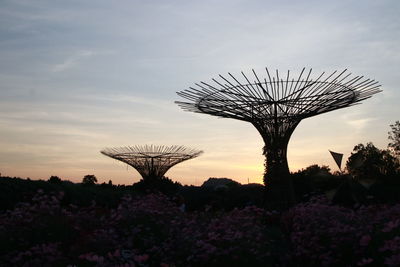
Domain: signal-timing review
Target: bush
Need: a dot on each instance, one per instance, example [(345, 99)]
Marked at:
[(47, 229), (89, 179), (145, 230), (322, 234), (369, 162), (163, 185), (54, 180), (314, 180)]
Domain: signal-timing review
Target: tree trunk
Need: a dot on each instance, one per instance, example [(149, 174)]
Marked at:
[(277, 180)]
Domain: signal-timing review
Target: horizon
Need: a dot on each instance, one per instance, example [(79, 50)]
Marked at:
[(79, 77)]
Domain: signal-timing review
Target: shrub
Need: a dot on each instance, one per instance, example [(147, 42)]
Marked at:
[(322, 234), (89, 179)]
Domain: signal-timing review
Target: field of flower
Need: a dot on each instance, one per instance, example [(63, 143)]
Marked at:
[(153, 230)]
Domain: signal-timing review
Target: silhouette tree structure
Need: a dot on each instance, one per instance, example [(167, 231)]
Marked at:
[(275, 105), (152, 161)]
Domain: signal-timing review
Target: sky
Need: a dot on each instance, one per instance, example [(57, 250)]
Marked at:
[(79, 76)]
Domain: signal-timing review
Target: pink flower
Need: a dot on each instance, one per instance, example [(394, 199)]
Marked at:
[(390, 226), (117, 253), (393, 260), (364, 261), (97, 258), (141, 258), (364, 241)]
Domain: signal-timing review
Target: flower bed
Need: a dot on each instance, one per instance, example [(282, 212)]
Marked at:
[(151, 230)]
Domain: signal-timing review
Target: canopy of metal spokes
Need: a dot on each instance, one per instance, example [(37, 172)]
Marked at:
[(151, 161)]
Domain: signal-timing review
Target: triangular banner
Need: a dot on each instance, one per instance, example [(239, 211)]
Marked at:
[(338, 158)]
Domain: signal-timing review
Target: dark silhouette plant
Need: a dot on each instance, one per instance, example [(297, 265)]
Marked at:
[(54, 179), (370, 162), (89, 179), (394, 137)]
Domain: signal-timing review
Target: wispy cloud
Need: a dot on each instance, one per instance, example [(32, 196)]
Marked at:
[(72, 61), (128, 98), (358, 120), (360, 124)]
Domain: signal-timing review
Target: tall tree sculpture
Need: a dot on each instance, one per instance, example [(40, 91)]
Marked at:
[(275, 105), (151, 161)]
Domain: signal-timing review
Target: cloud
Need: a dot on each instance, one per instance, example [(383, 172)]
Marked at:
[(69, 115), (360, 124), (72, 61), (132, 99)]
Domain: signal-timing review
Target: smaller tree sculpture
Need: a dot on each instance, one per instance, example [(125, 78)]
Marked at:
[(151, 161)]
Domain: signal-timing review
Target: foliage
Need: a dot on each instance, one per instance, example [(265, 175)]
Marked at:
[(367, 161), (219, 182), (314, 179), (149, 230), (322, 234), (315, 170), (54, 179), (394, 137), (89, 179), (14, 190), (71, 224), (163, 185)]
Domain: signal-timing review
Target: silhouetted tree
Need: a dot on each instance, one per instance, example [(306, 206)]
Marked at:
[(314, 179), (219, 182), (54, 179), (89, 179), (394, 137), (160, 184), (367, 161), (314, 170)]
